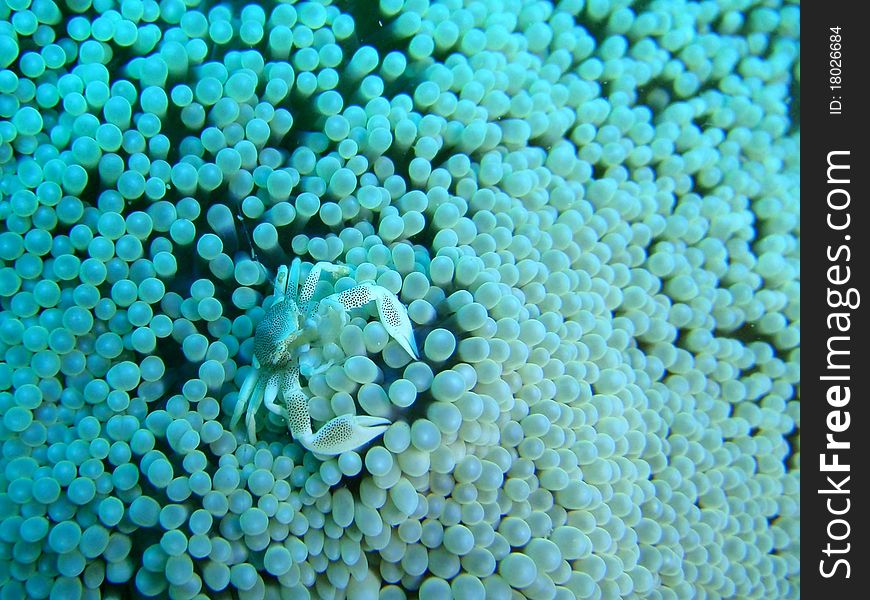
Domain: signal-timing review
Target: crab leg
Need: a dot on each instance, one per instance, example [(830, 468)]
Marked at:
[(247, 391), (252, 398), (276, 385), (392, 313)]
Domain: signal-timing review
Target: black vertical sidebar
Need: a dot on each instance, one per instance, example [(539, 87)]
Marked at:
[(835, 426)]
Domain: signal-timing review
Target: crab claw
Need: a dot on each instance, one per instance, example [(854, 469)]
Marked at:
[(344, 433), (394, 318), (393, 315)]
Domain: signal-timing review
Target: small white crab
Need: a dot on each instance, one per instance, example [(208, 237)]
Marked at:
[(285, 335)]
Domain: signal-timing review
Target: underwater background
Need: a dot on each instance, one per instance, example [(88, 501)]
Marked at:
[(589, 208)]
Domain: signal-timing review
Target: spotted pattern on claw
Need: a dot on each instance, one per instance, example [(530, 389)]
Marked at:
[(356, 296), (389, 312), (337, 431)]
